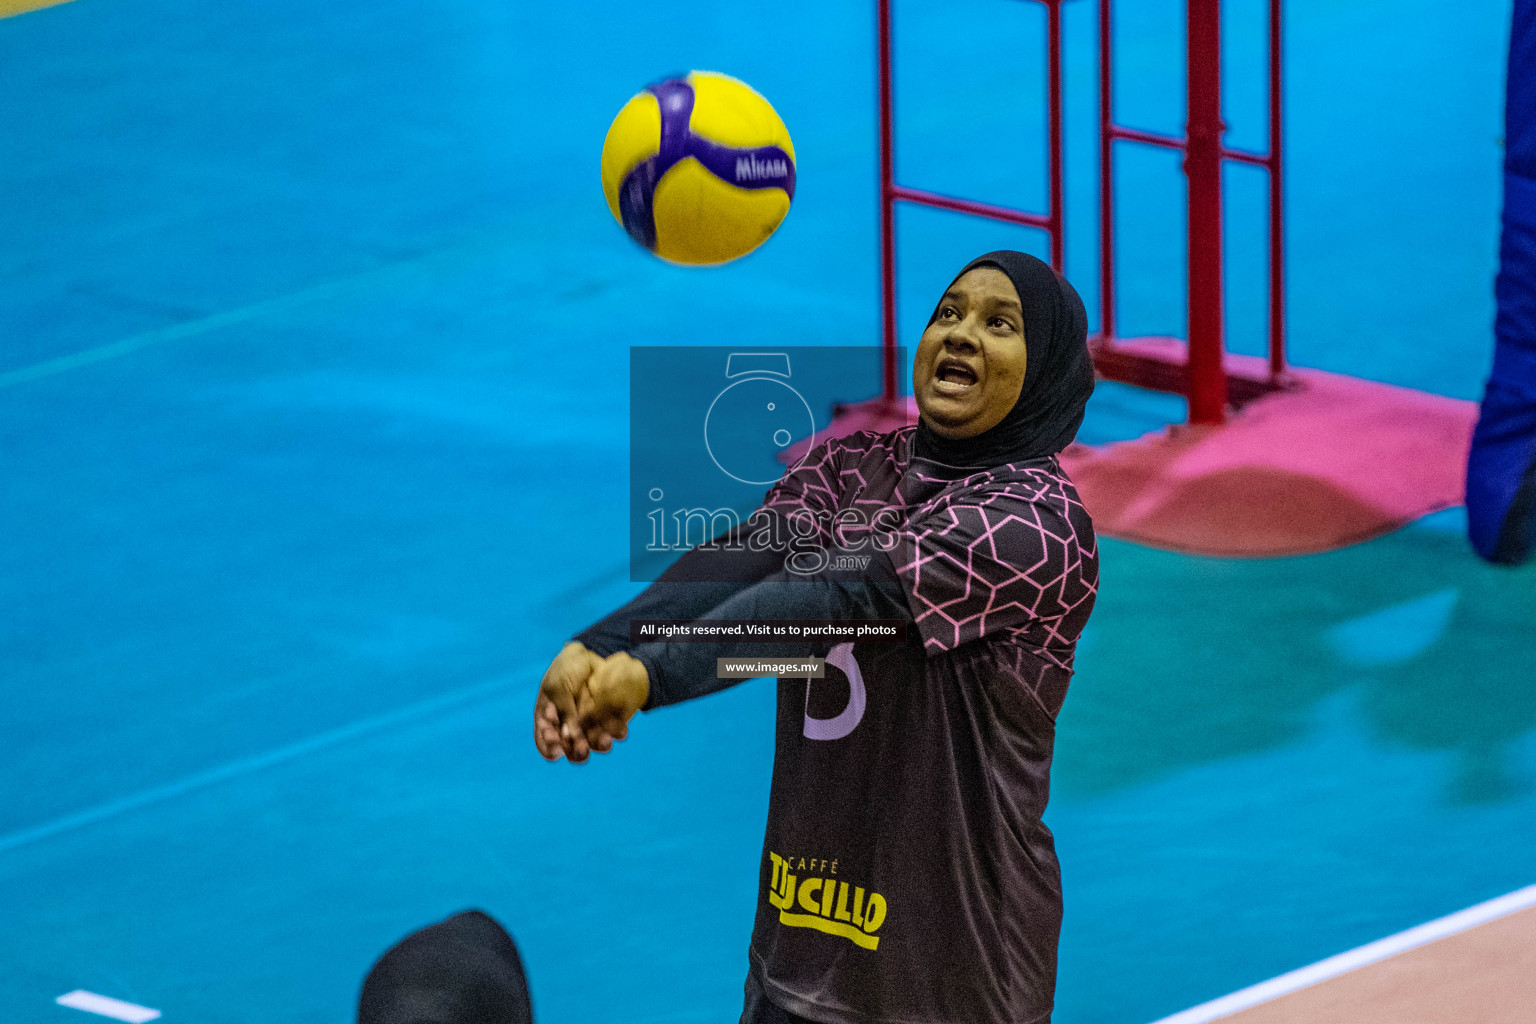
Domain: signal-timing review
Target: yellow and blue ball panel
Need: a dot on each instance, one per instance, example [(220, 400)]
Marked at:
[(699, 169)]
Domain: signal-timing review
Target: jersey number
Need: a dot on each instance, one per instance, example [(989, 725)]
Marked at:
[(848, 719)]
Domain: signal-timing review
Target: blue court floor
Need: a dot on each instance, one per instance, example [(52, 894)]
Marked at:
[(313, 424)]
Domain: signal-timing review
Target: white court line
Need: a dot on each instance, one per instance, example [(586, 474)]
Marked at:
[(339, 287), (1343, 963), (192, 328), (499, 686), (90, 1002)]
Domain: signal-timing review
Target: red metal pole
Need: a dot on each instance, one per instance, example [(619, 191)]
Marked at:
[(887, 213), (1106, 180), (1276, 204), (1053, 61), (971, 206), (1202, 166)]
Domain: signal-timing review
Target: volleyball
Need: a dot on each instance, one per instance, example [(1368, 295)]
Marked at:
[(698, 169)]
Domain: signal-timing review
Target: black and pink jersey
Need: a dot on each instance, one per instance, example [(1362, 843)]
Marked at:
[(907, 877)]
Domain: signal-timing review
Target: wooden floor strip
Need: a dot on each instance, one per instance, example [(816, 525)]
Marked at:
[(1478, 965), (1483, 976)]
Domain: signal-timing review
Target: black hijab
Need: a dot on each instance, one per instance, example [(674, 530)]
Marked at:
[(1058, 373), (464, 970)]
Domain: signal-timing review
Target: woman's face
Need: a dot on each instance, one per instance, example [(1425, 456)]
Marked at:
[(969, 366)]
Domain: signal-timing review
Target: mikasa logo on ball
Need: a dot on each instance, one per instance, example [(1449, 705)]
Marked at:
[(750, 168)]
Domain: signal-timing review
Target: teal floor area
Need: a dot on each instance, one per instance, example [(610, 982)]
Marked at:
[(313, 427)]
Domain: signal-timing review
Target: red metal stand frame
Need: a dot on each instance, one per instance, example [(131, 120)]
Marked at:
[(1202, 376)]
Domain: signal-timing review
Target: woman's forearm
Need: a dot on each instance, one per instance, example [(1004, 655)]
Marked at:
[(681, 670), (704, 577)]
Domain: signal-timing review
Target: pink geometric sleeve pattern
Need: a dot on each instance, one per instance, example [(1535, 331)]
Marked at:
[(1010, 554), (857, 471), (1007, 553)]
